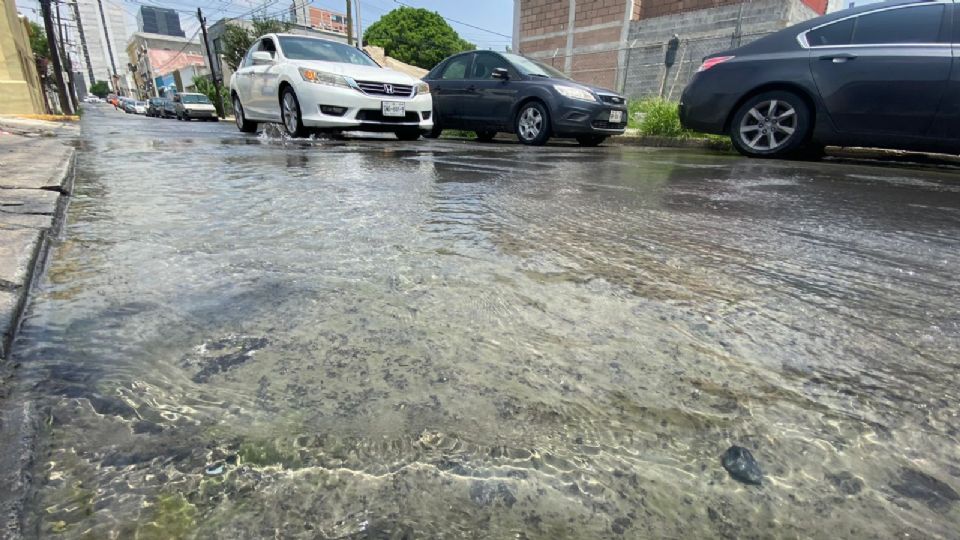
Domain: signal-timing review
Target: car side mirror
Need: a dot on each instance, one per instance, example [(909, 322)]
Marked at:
[(500, 73), (262, 57)]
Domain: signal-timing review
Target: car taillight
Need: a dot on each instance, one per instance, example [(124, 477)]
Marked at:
[(711, 62)]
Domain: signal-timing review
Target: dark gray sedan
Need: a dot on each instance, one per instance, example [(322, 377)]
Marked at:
[(883, 75)]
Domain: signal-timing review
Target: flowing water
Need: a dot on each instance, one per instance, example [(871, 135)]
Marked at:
[(239, 337)]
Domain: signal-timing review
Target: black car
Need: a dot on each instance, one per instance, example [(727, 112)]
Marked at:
[(881, 75), (168, 109), (488, 92), (155, 107)]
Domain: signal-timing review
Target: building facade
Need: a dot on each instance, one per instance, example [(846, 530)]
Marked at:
[(303, 14), (20, 91), (152, 57), (101, 33), (155, 20), (623, 44)]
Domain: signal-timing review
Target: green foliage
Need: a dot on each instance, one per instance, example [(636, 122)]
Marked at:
[(415, 36), (237, 39), (657, 117), (38, 41), (205, 86), (100, 89)]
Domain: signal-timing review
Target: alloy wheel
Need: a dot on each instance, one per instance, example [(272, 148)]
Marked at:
[(531, 122), (238, 113), (769, 125), (291, 113)]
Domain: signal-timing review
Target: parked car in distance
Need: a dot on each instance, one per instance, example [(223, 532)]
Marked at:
[(128, 105), (168, 109), (308, 84), (879, 75), (489, 92), (154, 107), (140, 107), (189, 106)]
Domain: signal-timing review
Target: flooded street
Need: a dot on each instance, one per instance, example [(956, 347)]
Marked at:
[(241, 338)]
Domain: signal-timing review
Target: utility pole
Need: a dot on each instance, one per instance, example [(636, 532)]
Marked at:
[(74, 102), (359, 27), (349, 22), (213, 72), (55, 56)]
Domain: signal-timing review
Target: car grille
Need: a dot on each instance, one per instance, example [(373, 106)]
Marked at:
[(603, 124), (615, 100), (377, 116), (385, 89)]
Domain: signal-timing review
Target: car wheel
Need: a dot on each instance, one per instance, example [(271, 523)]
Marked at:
[(179, 118), (290, 114), (771, 125), (591, 140), (434, 133), (243, 124), (407, 135), (533, 124), (485, 135)]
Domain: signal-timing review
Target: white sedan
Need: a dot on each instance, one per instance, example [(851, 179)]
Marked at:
[(308, 83)]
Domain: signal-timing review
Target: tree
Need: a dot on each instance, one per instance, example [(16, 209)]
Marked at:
[(38, 41), (100, 89), (415, 36), (237, 39)]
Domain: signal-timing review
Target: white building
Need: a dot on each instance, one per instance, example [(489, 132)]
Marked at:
[(102, 29)]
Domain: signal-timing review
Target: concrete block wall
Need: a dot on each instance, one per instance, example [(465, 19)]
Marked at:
[(702, 32)]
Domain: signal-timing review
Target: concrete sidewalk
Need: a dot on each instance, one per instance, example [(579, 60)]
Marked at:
[(36, 176)]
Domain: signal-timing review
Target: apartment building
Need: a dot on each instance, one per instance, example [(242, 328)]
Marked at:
[(306, 15), (102, 32)]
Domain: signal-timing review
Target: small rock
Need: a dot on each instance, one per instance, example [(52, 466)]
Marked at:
[(847, 483), (739, 462)]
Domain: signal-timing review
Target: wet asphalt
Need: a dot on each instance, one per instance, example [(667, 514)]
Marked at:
[(245, 337)]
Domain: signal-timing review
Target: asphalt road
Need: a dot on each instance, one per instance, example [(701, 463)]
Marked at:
[(246, 337)]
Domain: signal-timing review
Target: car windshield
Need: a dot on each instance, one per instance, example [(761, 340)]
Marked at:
[(194, 98), (141, 103), (304, 48), (528, 66)]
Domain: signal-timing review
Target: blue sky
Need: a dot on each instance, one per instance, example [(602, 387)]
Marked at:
[(494, 16)]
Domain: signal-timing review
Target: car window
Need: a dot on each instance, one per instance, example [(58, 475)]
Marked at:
[(485, 63), (838, 33), (915, 24), (194, 98), (457, 68), (248, 59), (528, 66), (267, 45), (305, 48)]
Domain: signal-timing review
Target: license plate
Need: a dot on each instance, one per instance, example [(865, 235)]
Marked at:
[(394, 108), (616, 117)]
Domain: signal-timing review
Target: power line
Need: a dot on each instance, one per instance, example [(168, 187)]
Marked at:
[(460, 22)]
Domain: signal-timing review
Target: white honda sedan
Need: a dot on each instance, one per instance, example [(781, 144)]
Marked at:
[(308, 83)]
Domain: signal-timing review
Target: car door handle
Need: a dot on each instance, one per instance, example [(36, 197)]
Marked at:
[(839, 58)]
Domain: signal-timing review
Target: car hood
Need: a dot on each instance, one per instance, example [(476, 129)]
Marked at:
[(359, 73), (594, 89)]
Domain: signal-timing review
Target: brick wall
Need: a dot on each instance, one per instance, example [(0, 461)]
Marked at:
[(543, 16)]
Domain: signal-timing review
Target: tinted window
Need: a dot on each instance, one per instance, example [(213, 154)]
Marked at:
[(304, 48), (919, 24), (267, 45), (484, 65), (457, 68), (838, 33), (194, 98)]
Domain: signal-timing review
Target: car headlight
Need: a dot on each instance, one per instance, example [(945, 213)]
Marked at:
[(322, 77), (423, 88), (573, 92)]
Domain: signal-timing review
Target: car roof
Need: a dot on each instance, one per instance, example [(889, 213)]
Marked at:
[(787, 38)]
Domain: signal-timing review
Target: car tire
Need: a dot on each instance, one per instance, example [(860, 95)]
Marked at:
[(590, 141), (407, 135), (434, 133), (774, 124), (532, 124), (485, 135), (290, 105), (243, 124)]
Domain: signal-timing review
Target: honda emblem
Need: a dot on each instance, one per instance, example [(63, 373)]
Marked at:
[(388, 89)]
